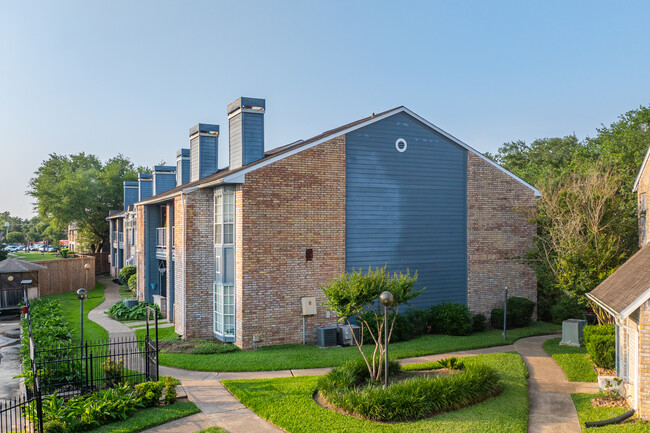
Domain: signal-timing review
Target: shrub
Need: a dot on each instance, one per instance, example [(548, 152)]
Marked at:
[(600, 342), (420, 321), (414, 398), (133, 284), (567, 307), (452, 362), (520, 311), (149, 392), (65, 252), (478, 323), (125, 274), (170, 391), (209, 348), (55, 426), (120, 311), (112, 371), (451, 319)]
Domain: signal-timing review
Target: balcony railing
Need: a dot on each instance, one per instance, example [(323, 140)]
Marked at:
[(114, 238), (161, 237), (161, 243)]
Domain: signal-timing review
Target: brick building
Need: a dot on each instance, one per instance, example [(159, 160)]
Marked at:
[(626, 295), (230, 253)]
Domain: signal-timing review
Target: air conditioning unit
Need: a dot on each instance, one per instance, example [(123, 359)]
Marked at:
[(326, 336), (130, 303), (345, 335)]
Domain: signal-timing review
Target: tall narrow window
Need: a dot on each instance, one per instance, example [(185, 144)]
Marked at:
[(224, 239)]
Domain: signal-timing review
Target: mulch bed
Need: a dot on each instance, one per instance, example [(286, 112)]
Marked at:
[(183, 346), (613, 400)]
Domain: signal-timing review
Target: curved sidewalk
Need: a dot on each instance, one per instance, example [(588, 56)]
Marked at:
[(550, 406)]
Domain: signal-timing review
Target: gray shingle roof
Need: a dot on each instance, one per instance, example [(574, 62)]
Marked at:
[(627, 286), (12, 266)]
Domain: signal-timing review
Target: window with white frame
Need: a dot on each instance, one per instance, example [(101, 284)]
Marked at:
[(224, 289)]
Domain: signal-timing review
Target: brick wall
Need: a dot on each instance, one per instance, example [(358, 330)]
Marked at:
[(283, 209), (499, 232), (179, 275), (139, 248), (644, 188), (644, 362), (199, 263)]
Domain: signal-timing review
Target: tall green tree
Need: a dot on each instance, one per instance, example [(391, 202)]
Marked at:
[(587, 217), (79, 188)]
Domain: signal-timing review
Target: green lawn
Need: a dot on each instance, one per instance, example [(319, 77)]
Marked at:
[(147, 418), (30, 257), (574, 361), (70, 305), (288, 403), (298, 356), (586, 412), (212, 430), (125, 292)]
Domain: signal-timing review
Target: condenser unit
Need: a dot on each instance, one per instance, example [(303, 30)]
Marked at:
[(345, 335), (326, 336)]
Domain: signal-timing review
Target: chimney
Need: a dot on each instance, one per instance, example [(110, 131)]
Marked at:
[(164, 178), (246, 130), (145, 181), (182, 166), (130, 193), (204, 144)]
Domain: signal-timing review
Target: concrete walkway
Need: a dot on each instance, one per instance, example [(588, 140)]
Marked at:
[(98, 314), (550, 405), (551, 409)]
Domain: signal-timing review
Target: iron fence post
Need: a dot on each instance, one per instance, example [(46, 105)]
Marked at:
[(92, 379)]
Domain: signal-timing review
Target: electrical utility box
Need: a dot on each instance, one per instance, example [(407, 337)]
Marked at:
[(572, 332), (345, 337), (308, 306)]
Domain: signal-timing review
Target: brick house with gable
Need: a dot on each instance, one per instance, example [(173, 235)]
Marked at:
[(625, 294), (237, 248)]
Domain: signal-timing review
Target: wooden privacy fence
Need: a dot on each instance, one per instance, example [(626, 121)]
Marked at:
[(65, 275), (101, 263)]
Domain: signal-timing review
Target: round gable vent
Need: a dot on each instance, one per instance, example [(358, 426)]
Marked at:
[(400, 145)]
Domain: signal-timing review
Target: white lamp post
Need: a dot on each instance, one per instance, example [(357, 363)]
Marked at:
[(386, 299)]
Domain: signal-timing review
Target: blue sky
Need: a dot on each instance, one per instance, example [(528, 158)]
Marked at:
[(132, 77)]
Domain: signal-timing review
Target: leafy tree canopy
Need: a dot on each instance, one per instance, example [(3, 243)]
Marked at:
[(80, 188), (587, 215)]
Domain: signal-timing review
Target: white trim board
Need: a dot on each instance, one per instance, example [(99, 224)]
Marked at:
[(240, 175), (638, 176)]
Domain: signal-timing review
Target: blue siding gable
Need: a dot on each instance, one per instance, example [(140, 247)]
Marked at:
[(408, 209)]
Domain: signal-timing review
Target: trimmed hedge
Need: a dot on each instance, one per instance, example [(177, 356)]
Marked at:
[(133, 283), (346, 388), (446, 318), (600, 342), (125, 274), (565, 308), (519, 315)]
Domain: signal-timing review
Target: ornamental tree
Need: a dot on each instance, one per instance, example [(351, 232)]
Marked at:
[(355, 295)]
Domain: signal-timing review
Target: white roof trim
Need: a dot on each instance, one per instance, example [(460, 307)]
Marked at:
[(636, 304), (239, 176), (603, 305), (638, 176)]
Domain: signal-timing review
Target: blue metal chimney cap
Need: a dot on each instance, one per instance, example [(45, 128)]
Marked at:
[(207, 128), (145, 176), (159, 168), (130, 184), (245, 102)]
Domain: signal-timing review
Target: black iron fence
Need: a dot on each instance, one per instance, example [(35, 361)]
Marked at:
[(70, 371), (15, 415)]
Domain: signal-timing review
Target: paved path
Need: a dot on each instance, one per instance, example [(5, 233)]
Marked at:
[(551, 407), (549, 391), (115, 329)]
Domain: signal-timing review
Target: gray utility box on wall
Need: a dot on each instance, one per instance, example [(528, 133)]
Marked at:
[(326, 336), (130, 303), (572, 332), (345, 335)]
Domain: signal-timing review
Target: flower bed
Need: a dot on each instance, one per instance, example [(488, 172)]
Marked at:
[(411, 396)]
